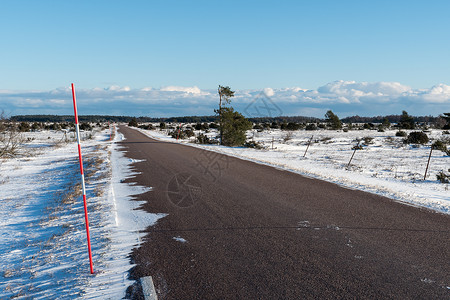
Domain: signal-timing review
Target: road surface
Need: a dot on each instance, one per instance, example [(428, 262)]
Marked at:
[(240, 230)]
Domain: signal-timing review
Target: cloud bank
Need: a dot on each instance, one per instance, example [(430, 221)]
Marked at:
[(346, 98)]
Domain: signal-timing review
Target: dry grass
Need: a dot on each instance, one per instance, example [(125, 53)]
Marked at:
[(99, 191), (10, 144), (8, 273)]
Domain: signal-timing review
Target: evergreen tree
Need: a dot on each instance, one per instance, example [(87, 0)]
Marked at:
[(234, 127), (446, 117), (225, 95), (133, 123), (333, 120), (406, 121)]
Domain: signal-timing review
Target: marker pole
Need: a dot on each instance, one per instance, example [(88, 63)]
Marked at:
[(109, 125), (82, 179)]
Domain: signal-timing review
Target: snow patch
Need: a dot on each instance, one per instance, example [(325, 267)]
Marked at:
[(179, 239)]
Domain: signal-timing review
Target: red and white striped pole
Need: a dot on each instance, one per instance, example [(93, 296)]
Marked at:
[(82, 179)]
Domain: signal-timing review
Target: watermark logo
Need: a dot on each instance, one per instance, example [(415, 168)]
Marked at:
[(212, 164), (262, 106), (184, 190)]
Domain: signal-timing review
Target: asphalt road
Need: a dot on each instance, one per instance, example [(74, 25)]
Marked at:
[(255, 232)]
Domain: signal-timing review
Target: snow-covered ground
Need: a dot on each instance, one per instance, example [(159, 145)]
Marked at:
[(42, 231), (384, 166)]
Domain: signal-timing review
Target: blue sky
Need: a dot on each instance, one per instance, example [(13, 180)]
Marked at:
[(248, 45)]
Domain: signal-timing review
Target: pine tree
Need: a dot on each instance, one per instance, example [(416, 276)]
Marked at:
[(333, 120), (406, 121), (225, 95), (234, 127), (446, 117)]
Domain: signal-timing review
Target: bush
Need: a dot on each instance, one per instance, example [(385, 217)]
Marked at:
[(357, 147), (311, 126), (147, 127), (368, 140), (401, 133), (35, 126), (133, 123), (189, 133), (181, 134), (204, 139), (85, 126), (441, 146), (417, 137), (24, 127), (10, 144), (442, 177), (253, 144), (213, 125), (54, 126), (287, 137), (200, 126), (290, 126), (274, 125), (162, 125), (258, 127)]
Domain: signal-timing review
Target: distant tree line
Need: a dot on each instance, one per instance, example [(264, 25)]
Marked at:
[(68, 118), (215, 119), (391, 118), (126, 119)]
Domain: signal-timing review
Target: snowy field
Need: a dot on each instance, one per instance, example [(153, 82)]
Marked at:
[(385, 165), (42, 231)]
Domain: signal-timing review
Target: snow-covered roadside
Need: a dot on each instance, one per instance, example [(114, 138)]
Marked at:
[(384, 167), (42, 231), (126, 223)]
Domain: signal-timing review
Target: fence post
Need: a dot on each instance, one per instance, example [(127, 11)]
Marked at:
[(356, 148), (428, 163), (309, 143)]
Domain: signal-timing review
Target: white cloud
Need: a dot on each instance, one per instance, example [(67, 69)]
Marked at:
[(269, 92), (116, 88), (437, 94), (345, 97), (364, 88), (190, 90)]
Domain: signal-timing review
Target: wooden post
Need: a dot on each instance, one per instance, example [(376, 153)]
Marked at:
[(309, 143), (428, 163), (272, 143), (356, 148)]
